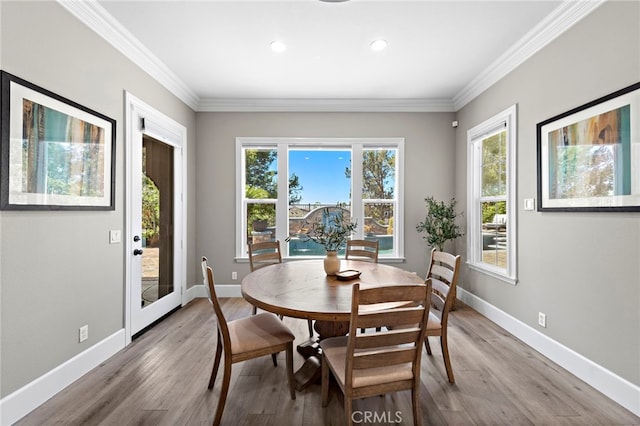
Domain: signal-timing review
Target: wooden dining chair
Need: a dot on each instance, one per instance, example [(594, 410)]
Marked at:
[(264, 254), (243, 339), (362, 250), (443, 272), (374, 363)]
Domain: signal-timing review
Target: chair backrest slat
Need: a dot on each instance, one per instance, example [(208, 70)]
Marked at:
[(362, 249), (442, 272), (264, 254), (397, 317), (390, 293), (388, 338), (397, 355)]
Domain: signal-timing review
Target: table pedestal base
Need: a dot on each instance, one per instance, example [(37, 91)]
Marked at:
[(310, 371)]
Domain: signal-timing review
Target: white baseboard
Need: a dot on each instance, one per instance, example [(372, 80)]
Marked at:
[(24, 400), (228, 290), (193, 292), (222, 290), (613, 386)]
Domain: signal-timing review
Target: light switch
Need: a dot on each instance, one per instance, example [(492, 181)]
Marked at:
[(529, 203), (114, 237)]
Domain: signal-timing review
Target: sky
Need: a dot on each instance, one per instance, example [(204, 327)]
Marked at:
[(321, 175)]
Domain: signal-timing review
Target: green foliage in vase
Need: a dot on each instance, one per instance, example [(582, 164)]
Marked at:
[(330, 231), (439, 225)]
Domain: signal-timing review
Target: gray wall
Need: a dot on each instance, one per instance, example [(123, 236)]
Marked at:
[(581, 269), (429, 159), (57, 270)]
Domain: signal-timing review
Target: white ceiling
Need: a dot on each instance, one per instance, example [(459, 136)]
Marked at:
[(215, 54)]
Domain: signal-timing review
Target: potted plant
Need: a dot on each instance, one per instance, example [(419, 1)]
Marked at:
[(330, 231), (439, 226)]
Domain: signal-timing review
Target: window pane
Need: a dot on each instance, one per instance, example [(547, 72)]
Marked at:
[(378, 174), (261, 173), (494, 233), (261, 222), (323, 176), (378, 225), (301, 220), (494, 165)]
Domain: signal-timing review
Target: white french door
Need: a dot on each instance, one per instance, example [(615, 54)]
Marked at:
[(155, 221)]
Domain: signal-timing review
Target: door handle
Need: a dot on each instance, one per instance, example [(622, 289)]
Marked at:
[(137, 252)]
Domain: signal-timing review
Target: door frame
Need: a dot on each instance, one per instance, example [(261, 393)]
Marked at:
[(141, 118)]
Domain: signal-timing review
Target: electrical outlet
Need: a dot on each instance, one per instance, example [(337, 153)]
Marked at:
[(234, 275), (542, 320), (84, 333)]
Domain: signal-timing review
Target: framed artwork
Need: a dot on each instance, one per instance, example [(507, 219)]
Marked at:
[(589, 157), (55, 153)]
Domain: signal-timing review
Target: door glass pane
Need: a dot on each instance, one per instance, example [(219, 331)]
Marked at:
[(494, 233), (157, 220)]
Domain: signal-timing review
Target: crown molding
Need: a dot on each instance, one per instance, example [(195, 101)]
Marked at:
[(325, 105), (106, 26), (557, 22), (553, 25)]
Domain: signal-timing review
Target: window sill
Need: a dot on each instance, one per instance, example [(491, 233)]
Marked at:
[(494, 273)]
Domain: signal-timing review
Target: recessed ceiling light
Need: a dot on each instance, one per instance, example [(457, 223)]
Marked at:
[(378, 45), (278, 46), (333, 1)]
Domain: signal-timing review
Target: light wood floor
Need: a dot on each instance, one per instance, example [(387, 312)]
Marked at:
[(161, 379)]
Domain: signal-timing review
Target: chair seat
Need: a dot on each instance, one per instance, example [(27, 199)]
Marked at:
[(335, 351), (257, 332)]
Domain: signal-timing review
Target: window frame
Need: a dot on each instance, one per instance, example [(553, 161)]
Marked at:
[(506, 119), (283, 145)]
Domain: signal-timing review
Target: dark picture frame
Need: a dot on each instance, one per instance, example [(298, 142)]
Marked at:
[(55, 154), (589, 157)]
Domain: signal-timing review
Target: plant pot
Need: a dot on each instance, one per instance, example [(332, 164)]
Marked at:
[(331, 263), (260, 225)]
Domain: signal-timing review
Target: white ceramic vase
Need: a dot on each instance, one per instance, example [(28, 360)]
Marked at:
[(331, 263)]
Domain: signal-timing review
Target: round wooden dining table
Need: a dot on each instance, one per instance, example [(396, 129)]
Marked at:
[(302, 289)]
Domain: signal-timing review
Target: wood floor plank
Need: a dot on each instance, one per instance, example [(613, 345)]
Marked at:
[(161, 379)]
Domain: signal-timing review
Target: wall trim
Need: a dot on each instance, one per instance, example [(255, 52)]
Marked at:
[(552, 26), (106, 26), (610, 384), (26, 399), (222, 290), (94, 16), (325, 105)]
